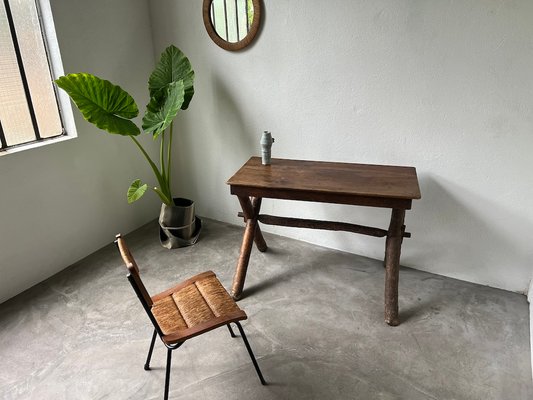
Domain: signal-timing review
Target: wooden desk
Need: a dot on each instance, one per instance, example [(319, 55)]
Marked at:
[(341, 183)]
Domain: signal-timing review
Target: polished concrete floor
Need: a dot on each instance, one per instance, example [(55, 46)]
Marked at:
[(315, 324)]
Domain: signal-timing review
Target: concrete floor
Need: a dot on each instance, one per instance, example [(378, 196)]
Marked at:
[(315, 324)]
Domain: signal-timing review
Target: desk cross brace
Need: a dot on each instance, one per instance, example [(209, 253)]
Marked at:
[(323, 225)]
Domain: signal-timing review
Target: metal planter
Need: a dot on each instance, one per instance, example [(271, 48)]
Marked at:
[(178, 224)]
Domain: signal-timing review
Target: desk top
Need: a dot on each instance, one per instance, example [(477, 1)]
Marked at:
[(330, 182)]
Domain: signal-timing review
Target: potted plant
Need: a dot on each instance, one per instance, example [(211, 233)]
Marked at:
[(111, 108)]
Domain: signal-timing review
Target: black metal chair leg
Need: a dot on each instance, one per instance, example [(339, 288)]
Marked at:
[(147, 363), (250, 352), (167, 377), (230, 330)]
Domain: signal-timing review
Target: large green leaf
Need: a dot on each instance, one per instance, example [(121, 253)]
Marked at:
[(136, 190), (158, 117), (107, 106), (172, 67)]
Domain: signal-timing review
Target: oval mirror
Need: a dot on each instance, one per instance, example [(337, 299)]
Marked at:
[(232, 24)]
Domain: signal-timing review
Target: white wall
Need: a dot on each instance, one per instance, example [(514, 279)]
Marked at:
[(442, 86), (61, 202)]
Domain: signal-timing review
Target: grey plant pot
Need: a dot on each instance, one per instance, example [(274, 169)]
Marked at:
[(179, 226)]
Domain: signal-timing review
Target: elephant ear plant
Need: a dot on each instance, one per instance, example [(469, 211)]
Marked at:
[(111, 108)]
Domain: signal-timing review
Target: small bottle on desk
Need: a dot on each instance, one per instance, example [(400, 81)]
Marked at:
[(266, 146)]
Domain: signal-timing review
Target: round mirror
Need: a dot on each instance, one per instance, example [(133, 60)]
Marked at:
[(232, 24)]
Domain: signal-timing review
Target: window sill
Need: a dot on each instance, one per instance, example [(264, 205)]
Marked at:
[(34, 145)]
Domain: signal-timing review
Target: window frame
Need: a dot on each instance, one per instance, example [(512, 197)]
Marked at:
[(56, 69)]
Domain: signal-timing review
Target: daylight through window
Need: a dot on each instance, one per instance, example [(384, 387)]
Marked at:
[(29, 110)]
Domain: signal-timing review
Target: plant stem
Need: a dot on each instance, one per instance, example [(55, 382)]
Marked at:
[(161, 156), (169, 156), (164, 196)]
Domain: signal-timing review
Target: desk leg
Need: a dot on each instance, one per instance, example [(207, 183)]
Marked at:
[(393, 249), (248, 210), (251, 211)]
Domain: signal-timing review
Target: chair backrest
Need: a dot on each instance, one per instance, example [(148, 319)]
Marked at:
[(135, 279), (133, 268)]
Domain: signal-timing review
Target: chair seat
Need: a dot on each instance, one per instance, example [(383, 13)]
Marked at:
[(193, 307)]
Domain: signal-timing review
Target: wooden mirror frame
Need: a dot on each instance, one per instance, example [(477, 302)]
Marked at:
[(232, 46)]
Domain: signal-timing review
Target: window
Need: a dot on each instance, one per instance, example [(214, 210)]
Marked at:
[(29, 61)]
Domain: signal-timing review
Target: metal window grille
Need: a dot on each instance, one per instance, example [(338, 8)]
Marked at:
[(29, 110)]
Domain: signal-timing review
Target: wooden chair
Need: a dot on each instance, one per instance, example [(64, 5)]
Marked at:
[(195, 306)]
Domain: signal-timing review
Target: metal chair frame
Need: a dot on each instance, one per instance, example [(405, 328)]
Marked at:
[(171, 347)]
